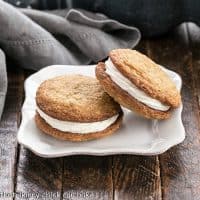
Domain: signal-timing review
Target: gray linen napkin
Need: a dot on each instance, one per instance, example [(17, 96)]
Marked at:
[(3, 81), (35, 39), (82, 36), (94, 34)]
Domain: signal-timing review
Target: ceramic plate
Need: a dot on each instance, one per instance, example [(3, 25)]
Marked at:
[(137, 135)]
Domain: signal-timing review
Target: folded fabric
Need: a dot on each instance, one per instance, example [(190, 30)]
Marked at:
[(49, 38), (92, 35), (35, 39), (3, 81)]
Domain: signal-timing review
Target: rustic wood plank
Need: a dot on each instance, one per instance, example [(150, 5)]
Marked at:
[(8, 131), (180, 165), (136, 177), (194, 38), (38, 178), (87, 177)]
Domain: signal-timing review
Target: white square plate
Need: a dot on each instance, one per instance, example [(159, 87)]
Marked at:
[(137, 135)]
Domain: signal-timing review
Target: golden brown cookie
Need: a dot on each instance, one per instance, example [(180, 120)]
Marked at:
[(142, 73), (146, 75), (76, 108), (125, 99), (75, 98)]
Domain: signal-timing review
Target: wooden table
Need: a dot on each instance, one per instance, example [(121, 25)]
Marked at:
[(172, 175)]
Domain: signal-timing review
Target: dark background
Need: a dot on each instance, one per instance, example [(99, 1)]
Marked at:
[(152, 17)]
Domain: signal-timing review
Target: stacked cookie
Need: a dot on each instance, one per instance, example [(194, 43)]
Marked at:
[(138, 83), (78, 108)]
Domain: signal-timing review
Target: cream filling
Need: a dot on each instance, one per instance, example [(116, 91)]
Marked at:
[(77, 127), (130, 88)]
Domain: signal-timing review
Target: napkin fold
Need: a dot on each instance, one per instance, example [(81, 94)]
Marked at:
[(3, 81), (35, 39)]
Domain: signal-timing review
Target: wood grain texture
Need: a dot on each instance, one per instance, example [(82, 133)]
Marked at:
[(194, 45), (8, 133), (180, 165), (136, 177), (38, 178), (87, 178)]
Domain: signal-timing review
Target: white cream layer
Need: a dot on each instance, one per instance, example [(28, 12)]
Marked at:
[(130, 88), (77, 127)]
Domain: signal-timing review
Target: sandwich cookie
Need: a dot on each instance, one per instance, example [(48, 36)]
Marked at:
[(138, 83), (76, 108)]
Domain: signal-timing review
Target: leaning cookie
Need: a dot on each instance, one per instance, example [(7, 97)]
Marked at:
[(138, 83), (76, 108)]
